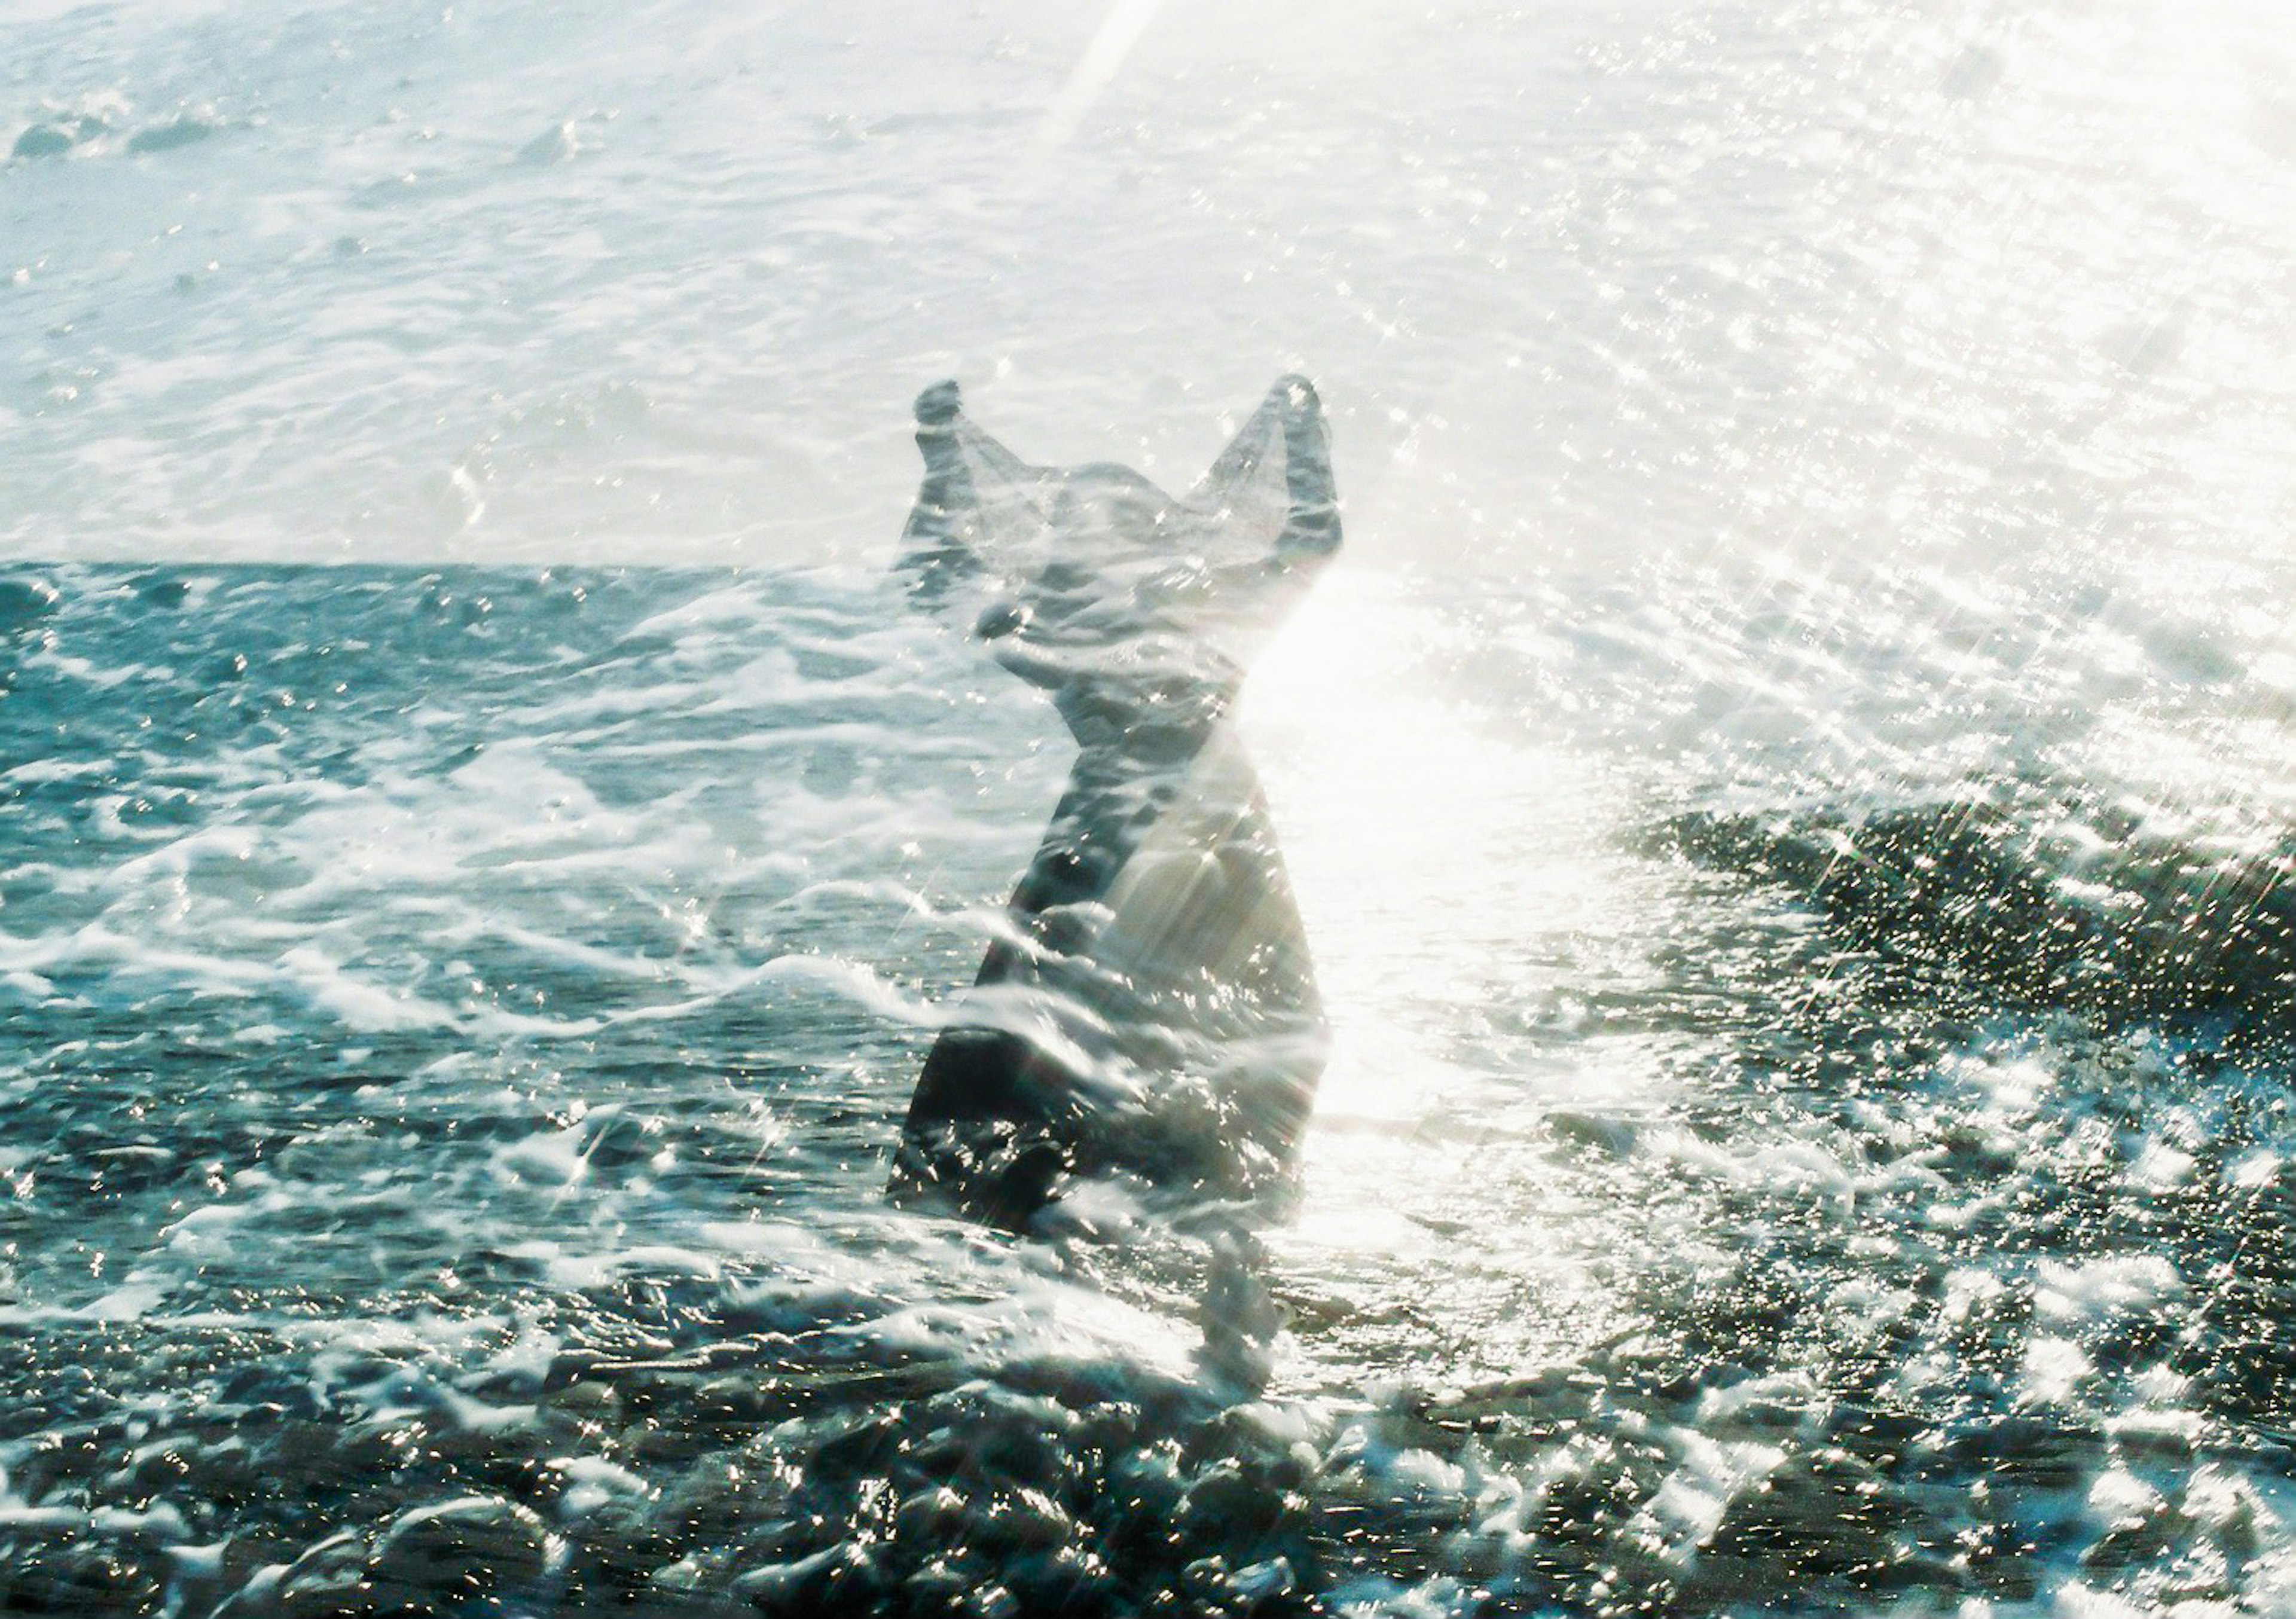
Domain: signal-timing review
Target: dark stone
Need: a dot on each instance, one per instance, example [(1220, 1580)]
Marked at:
[(42, 141), (168, 137), (839, 1580), (163, 590), (469, 1555), (328, 1580), (25, 602), (53, 1570), (2028, 1450)]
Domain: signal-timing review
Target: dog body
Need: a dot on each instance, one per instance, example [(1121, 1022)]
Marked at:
[(1151, 1007)]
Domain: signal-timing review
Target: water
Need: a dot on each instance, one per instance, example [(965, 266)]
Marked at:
[(1789, 788)]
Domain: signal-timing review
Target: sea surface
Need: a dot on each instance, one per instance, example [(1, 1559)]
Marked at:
[(1792, 789)]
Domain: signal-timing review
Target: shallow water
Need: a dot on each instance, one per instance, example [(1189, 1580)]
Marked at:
[(461, 1020), (1790, 790)]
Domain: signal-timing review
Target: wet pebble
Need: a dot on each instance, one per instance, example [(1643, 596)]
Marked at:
[(2024, 1450), (329, 1578), (1233, 1500), (43, 141), (587, 1401), (1021, 1521), (730, 1400), (555, 144), (988, 1431), (163, 590), (709, 1504), (183, 131), (842, 1579), (47, 1569), (465, 1554), (1064, 1579), (61, 1462), (131, 1167), (24, 603), (1828, 1514), (931, 1516), (2139, 1538), (2229, 1511), (664, 1441), (2170, 1435)]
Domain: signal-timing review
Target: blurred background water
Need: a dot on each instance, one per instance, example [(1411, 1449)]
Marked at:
[(1790, 789)]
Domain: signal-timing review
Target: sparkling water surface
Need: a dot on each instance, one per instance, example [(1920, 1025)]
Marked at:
[(1790, 789)]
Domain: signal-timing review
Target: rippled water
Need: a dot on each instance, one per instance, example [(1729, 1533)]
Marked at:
[(1790, 790)]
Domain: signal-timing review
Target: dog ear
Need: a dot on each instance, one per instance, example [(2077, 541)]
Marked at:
[(1270, 492), (981, 515)]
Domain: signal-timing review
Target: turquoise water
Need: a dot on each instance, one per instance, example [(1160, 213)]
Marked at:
[(459, 1022)]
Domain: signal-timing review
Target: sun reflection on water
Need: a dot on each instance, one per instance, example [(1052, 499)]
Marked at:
[(1444, 858)]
